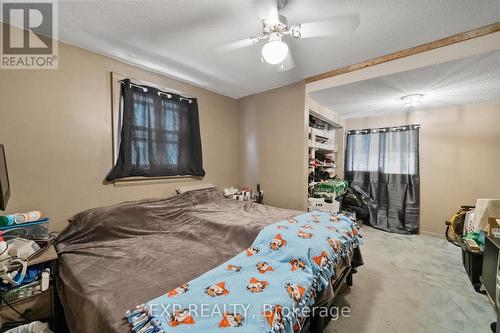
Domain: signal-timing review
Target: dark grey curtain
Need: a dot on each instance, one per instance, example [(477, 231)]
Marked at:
[(160, 134), (383, 164)]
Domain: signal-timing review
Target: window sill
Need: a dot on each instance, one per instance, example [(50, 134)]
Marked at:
[(134, 181)]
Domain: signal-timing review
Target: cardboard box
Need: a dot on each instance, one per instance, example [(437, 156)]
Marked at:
[(493, 222)]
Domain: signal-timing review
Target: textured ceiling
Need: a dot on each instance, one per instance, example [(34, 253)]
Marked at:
[(183, 38), (466, 81)]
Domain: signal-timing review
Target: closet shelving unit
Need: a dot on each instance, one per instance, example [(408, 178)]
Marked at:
[(323, 148), (322, 144)]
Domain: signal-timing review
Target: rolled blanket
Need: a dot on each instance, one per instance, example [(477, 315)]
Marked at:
[(270, 287)]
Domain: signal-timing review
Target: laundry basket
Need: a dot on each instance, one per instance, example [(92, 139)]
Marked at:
[(34, 327), (319, 204)]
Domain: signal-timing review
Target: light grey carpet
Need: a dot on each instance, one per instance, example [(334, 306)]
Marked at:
[(411, 284)]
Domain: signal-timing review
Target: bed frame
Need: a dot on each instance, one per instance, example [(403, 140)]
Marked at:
[(316, 324)]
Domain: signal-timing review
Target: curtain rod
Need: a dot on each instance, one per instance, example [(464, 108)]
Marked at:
[(160, 92), (383, 129)]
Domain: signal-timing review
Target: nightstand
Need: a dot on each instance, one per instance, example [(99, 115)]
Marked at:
[(40, 305)]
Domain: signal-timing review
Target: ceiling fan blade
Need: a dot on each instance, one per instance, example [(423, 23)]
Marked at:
[(236, 45), (268, 11), (334, 26)]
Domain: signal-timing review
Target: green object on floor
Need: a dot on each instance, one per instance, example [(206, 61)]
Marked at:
[(332, 188), (475, 236), (6, 220)]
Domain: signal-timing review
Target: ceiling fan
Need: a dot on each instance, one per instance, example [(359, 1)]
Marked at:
[(275, 52)]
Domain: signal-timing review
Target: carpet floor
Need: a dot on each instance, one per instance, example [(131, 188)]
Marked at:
[(411, 284)]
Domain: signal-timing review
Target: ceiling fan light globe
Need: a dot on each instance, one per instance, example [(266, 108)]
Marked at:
[(274, 52)]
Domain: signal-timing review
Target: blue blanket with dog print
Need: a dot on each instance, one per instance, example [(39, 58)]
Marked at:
[(268, 288)]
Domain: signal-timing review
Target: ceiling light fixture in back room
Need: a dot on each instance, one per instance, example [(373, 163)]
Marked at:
[(412, 100)]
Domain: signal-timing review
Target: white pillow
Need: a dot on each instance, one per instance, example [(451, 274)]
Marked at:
[(188, 188)]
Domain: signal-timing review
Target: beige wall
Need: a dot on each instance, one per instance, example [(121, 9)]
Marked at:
[(459, 157), (340, 139), (56, 127), (273, 146)]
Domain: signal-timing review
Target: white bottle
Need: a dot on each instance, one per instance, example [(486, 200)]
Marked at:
[(3, 248), (45, 279)]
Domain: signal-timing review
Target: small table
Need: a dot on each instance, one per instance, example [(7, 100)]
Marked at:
[(40, 306), (490, 274), (473, 264)]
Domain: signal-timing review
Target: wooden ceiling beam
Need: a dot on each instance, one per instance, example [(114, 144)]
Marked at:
[(463, 36)]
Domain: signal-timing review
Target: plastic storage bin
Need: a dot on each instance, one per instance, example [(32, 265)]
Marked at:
[(34, 327), (319, 204), (36, 229)]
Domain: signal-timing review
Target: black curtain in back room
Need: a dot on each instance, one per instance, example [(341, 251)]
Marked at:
[(383, 164)]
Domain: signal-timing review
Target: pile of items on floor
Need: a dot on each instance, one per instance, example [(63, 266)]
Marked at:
[(322, 169), (324, 195), (468, 229), (245, 194), (23, 237), (470, 225)]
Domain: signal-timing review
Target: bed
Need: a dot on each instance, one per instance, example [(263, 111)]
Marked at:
[(113, 258)]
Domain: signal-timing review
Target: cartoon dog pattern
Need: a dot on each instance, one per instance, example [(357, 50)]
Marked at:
[(252, 251), (182, 289), (260, 258), (277, 243), (297, 264), (263, 267), (232, 320), (334, 218), (275, 319), (304, 235), (234, 268), (334, 243), (218, 289), (181, 317), (321, 260), (295, 291), (257, 286)]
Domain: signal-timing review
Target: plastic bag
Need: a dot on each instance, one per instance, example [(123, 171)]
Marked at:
[(34, 327)]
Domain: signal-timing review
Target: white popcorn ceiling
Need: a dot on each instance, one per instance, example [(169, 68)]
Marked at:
[(180, 38), (465, 81)]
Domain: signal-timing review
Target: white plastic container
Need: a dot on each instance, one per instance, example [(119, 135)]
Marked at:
[(319, 204)]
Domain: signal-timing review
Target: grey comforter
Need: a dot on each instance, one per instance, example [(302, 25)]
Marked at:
[(113, 258)]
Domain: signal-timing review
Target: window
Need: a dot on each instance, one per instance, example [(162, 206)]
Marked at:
[(386, 150), (160, 134)]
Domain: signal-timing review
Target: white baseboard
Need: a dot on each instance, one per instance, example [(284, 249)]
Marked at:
[(432, 234)]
